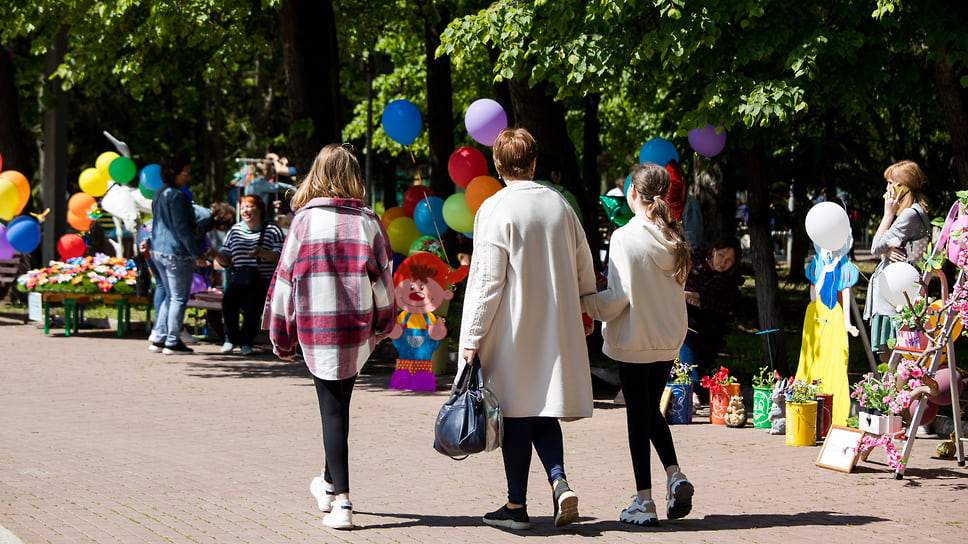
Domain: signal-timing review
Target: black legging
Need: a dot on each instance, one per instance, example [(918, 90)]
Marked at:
[(642, 385), (248, 299), (334, 411)]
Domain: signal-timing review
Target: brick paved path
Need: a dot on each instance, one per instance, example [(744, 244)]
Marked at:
[(103, 441)]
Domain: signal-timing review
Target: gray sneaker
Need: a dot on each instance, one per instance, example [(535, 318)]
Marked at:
[(566, 503)]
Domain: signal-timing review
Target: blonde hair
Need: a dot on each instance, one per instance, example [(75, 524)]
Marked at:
[(652, 183), (515, 152), (908, 174), (335, 174)]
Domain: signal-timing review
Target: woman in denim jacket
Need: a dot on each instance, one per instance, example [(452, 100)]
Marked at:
[(174, 252)]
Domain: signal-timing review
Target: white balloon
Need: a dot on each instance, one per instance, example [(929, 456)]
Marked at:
[(898, 279), (828, 225)]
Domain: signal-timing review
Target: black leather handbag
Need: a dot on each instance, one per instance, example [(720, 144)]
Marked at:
[(461, 426)]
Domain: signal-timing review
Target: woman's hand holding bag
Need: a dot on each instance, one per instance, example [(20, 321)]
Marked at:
[(470, 420)]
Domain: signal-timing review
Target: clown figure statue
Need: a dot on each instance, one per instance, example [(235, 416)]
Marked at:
[(420, 288)]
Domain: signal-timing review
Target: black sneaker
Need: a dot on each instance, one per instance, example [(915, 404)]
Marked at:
[(516, 518), (566, 503), (156, 346), (178, 348)]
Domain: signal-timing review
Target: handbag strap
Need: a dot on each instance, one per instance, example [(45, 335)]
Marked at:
[(470, 377)]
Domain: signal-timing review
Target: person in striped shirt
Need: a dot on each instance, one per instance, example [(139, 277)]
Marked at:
[(250, 252)]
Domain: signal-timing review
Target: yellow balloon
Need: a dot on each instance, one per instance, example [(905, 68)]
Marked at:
[(23, 186), (104, 162), (9, 199), (92, 182), (402, 232)]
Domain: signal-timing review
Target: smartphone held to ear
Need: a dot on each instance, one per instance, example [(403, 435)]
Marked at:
[(899, 191)]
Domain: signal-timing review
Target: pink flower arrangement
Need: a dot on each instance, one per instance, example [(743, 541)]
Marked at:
[(894, 459), (892, 393)]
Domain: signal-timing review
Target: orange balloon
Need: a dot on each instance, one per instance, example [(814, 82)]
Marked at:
[(480, 189), (20, 182), (80, 203), (391, 214), (80, 222)]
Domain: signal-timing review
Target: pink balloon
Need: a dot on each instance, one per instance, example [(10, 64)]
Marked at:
[(465, 164), (930, 411), (706, 142), (485, 119), (943, 377)]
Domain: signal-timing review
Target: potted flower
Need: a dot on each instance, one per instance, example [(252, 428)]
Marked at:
[(763, 383), (801, 413), (680, 385), (910, 322), (721, 387), (883, 400)]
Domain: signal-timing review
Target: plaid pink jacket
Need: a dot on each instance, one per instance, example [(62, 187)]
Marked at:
[(332, 290)]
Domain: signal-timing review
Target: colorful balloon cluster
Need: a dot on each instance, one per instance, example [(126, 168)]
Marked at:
[(22, 232)]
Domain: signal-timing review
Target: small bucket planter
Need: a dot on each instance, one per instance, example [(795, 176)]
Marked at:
[(911, 339), (761, 407), (825, 415), (680, 404), (719, 400), (878, 423), (801, 423)]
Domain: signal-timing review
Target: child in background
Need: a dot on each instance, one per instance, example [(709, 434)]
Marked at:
[(332, 295), (643, 311)]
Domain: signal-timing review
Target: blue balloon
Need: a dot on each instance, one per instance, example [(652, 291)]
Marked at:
[(659, 151), (23, 233), (401, 121), (428, 216), (150, 177)]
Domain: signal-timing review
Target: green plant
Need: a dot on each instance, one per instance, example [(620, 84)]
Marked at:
[(765, 378), (800, 391), (681, 373)]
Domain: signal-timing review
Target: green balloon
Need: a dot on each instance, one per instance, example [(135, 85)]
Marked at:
[(146, 192), (122, 170), (457, 215), (427, 244)]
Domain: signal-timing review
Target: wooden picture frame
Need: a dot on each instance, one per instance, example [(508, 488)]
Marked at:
[(664, 400), (839, 450)]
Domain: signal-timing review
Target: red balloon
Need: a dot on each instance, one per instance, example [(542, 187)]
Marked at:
[(465, 164), (943, 377), (413, 195), (70, 245), (930, 411)]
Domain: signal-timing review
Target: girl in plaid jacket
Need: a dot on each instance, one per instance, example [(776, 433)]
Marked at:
[(333, 294)]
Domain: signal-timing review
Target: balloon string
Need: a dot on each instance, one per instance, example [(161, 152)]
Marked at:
[(437, 230), (415, 169)]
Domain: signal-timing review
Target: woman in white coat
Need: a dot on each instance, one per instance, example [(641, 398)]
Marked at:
[(522, 315)]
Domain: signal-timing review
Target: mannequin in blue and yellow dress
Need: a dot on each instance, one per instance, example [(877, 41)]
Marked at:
[(823, 353)]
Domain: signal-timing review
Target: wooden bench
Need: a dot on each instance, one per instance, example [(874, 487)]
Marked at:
[(10, 270), (210, 301)]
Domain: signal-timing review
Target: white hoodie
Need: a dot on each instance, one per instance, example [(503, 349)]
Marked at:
[(644, 307)]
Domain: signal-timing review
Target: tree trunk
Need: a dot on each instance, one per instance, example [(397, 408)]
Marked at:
[(440, 108), (716, 203), (952, 100), (591, 149), (13, 138), (54, 181), (764, 265), (307, 29)]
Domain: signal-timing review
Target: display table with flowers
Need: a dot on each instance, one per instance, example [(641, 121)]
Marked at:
[(78, 281)]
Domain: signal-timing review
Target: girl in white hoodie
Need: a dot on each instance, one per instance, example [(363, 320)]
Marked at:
[(644, 314)]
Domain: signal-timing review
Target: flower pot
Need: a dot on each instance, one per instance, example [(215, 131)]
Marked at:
[(801, 423), (680, 404), (761, 407), (877, 423), (719, 400), (911, 339), (825, 415)]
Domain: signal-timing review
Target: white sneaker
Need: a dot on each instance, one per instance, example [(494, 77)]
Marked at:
[(227, 347), (324, 493), (187, 338), (640, 513), (341, 516), (679, 496)]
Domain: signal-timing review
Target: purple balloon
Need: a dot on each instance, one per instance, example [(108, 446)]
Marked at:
[(485, 119), (198, 284), (6, 250), (706, 142)]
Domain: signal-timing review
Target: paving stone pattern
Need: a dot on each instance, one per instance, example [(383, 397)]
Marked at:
[(104, 441)]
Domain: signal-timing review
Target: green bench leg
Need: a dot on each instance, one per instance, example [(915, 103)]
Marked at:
[(46, 317), (70, 316)]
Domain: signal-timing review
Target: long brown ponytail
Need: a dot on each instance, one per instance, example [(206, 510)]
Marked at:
[(652, 183)]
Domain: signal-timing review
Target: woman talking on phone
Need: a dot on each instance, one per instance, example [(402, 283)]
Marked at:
[(900, 237)]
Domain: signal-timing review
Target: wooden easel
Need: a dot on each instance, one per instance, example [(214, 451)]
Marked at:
[(942, 343)]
